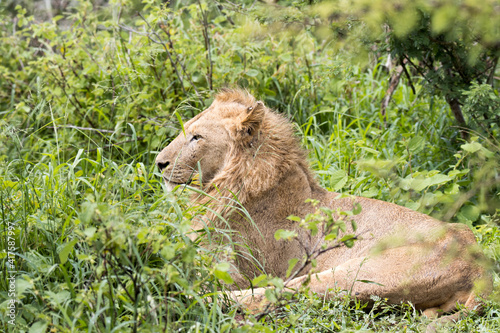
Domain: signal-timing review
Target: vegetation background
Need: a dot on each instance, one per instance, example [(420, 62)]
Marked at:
[(394, 100)]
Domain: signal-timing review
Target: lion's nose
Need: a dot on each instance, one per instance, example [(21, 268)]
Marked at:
[(162, 165)]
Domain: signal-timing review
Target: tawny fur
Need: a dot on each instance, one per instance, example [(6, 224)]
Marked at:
[(245, 150)]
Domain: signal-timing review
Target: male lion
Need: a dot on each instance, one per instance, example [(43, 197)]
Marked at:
[(243, 149)]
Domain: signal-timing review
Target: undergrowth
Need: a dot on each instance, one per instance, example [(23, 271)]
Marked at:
[(97, 244)]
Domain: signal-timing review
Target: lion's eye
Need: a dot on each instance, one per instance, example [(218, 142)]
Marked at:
[(195, 137)]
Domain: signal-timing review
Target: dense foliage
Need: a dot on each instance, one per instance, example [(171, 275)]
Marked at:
[(90, 93), (453, 44)]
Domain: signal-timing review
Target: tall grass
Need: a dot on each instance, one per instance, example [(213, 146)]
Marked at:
[(100, 246)]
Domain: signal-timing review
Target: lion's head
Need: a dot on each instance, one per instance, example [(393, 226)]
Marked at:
[(237, 144)]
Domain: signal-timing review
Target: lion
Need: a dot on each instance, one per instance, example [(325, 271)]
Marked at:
[(238, 148)]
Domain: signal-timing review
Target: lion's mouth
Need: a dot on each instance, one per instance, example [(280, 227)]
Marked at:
[(172, 181)]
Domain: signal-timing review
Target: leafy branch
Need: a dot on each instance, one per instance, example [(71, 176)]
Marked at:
[(321, 227)]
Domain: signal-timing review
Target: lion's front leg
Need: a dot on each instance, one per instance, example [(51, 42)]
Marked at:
[(253, 300)]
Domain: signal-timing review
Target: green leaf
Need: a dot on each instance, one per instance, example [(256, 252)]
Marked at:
[(416, 144), (471, 147), (332, 235), (22, 285), (223, 266), (88, 211), (370, 192), (168, 252), (224, 276), (38, 327), (470, 213), (474, 147), (357, 209), (453, 189), (291, 264), (59, 298), (180, 122), (349, 243), (252, 72), (294, 218), (347, 237), (277, 282), (271, 295), (370, 282), (260, 281), (412, 205), (348, 240), (227, 327), (63, 255), (354, 225), (77, 158), (89, 232), (83, 256), (188, 255), (338, 179), (419, 184), (286, 57), (284, 234)]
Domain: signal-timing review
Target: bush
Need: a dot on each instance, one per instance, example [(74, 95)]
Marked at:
[(88, 97)]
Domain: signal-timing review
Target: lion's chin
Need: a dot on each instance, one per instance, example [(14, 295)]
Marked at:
[(171, 185)]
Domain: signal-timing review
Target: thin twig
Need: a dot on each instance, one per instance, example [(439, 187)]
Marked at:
[(88, 129), (62, 84), (113, 96), (115, 144), (223, 12), (419, 70)]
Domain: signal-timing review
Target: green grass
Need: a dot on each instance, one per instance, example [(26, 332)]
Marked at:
[(94, 244), (98, 241), (99, 246)]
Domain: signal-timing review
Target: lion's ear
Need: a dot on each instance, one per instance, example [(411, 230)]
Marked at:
[(252, 120)]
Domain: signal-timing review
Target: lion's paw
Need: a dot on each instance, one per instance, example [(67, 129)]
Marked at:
[(253, 300)]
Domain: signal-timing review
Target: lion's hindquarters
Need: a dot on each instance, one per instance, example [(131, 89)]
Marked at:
[(403, 274)]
